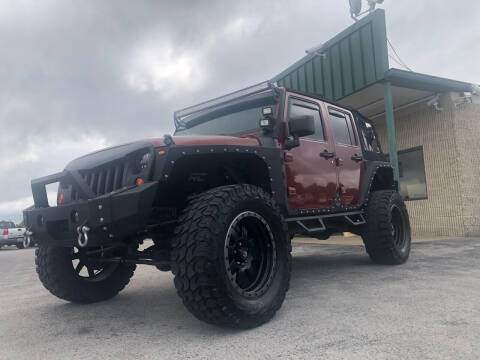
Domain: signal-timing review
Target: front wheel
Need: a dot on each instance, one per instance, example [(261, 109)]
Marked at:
[(71, 274), (387, 236), (231, 256)]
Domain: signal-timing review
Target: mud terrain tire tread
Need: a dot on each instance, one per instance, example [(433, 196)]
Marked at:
[(55, 271), (377, 236), (195, 257)]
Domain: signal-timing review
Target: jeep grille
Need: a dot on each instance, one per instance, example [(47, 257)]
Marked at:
[(103, 180)]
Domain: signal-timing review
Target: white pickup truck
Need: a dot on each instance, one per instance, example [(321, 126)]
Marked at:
[(11, 235)]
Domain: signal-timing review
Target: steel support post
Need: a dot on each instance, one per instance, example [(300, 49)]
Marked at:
[(390, 120)]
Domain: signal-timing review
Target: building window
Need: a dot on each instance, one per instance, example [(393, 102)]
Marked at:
[(411, 168)]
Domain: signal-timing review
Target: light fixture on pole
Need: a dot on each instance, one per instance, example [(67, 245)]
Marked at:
[(356, 7)]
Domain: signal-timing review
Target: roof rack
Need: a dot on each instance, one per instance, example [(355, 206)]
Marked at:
[(254, 89)]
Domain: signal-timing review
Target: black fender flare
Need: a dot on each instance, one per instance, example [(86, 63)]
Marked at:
[(372, 169), (271, 156)]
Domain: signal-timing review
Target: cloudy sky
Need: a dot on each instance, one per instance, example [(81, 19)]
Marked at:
[(76, 76)]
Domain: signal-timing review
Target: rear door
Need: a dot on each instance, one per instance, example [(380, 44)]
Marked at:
[(310, 167), (348, 154)]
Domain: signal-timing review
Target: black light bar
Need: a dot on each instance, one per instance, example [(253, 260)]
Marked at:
[(180, 114)]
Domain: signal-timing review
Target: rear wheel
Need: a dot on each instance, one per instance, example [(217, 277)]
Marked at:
[(71, 274), (231, 256), (387, 235), (20, 245)]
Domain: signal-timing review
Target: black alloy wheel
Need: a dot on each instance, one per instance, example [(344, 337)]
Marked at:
[(250, 254), (87, 268), (398, 227)]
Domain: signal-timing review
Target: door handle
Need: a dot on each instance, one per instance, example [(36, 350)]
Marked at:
[(326, 154), (357, 158)]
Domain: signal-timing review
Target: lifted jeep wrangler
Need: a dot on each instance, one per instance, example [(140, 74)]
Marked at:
[(221, 200)]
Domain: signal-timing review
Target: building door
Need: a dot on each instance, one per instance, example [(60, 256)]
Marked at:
[(348, 155), (310, 167)]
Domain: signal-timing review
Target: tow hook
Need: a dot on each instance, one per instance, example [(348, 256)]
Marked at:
[(27, 240), (82, 232)]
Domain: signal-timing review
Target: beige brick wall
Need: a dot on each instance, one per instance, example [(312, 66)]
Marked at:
[(419, 125), (467, 134)]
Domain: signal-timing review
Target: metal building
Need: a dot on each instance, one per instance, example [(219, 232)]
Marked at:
[(429, 125)]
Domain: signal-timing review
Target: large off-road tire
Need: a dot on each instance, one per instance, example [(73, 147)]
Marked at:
[(231, 256), (62, 273), (19, 246), (387, 235)]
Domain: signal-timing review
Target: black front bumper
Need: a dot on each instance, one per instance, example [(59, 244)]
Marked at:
[(110, 217)]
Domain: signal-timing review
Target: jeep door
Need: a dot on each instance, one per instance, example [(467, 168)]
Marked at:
[(310, 168), (348, 154)]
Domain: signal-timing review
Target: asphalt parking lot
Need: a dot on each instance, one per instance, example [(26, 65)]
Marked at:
[(340, 306)]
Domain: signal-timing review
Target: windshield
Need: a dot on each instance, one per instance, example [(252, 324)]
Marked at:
[(242, 121)]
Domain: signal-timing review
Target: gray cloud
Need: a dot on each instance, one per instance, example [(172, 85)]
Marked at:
[(76, 76)]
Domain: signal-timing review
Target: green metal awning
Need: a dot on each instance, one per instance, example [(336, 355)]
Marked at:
[(407, 88), (414, 80), (350, 61)]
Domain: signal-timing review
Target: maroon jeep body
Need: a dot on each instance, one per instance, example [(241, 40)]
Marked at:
[(221, 200)]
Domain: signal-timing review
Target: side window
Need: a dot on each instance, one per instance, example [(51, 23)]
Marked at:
[(368, 135), (298, 108), (342, 128)]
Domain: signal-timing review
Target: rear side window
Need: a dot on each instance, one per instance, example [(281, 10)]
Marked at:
[(299, 108), (368, 135), (342, 128)]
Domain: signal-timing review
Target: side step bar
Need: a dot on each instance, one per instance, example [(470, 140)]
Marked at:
[(355, 218)]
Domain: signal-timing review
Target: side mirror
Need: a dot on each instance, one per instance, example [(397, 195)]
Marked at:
[(302, 126), (299, 127)]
